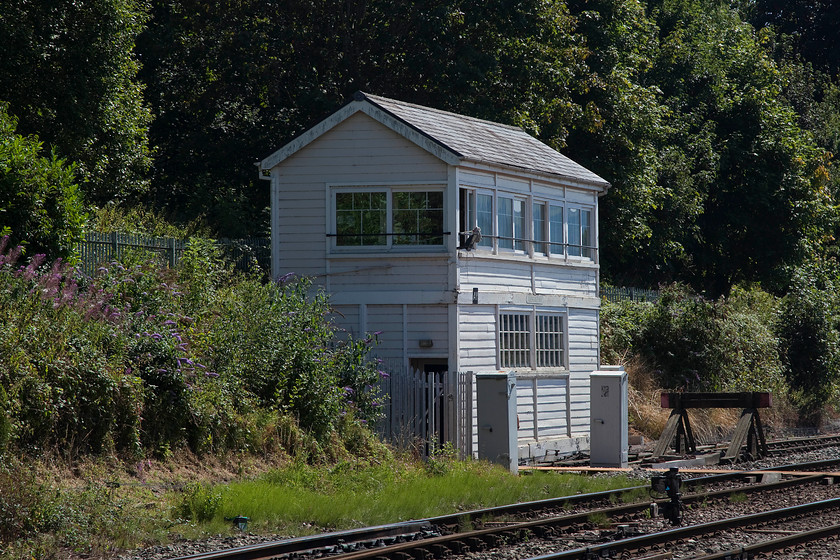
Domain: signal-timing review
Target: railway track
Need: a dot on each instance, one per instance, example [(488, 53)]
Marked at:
[(547, 519)]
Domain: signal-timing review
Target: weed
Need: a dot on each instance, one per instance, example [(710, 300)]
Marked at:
[(738, 498), (599, 520), (200, 503)]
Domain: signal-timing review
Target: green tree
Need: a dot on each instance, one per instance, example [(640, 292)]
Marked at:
[(811, 26), (40, 203), (617, 135), (755, 170), (68, 72), (230, 83)]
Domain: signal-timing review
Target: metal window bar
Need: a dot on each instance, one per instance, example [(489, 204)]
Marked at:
[(515, 340), (586, 250), (423, 233), (549, 341)]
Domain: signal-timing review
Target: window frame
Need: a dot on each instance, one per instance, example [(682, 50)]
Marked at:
[(509, 342), (470, 216), (584, 250), (553, 243), (390, 190)]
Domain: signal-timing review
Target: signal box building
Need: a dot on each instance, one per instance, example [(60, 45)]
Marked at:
[(469, 245)]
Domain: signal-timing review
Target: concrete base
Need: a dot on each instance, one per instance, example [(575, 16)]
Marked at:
[(553, 449)]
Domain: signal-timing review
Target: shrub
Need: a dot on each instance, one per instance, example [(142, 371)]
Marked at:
[(696, 344), (148, 358), (809, 329), (40, 202), (199, 503)]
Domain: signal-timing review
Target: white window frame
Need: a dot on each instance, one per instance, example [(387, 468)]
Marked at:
[(532, 339), (389, 245), (584, 251), (525, 242), (518, 238), (488, 239)]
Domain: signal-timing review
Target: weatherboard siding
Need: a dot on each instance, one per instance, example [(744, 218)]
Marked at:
[(356, 152), (583, 360), (391, 274), (541, 407), (477, 334)]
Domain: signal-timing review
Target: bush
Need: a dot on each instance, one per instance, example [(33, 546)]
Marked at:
[(40, 203), (145, 359), (696, 344), (809, 329)]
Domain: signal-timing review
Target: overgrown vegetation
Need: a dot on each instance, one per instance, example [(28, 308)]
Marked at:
[(106, 509), (749, 341), (142, 360)]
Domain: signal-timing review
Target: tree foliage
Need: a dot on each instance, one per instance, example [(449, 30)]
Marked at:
[(809, 328), (68, 72), (40, 204), (231, 83)]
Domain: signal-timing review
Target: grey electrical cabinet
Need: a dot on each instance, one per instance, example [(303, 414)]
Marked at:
[(608, 438), (496, 403)]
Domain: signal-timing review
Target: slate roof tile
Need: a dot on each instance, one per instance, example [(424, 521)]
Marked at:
[(484, 141)]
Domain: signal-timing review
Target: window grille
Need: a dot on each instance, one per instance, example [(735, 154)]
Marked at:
[(523, 346), (515, 340), (549, 344)]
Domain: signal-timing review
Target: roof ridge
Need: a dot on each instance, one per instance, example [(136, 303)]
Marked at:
[(360, 96)]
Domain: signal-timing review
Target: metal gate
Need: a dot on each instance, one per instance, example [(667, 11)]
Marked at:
[(425, 410)]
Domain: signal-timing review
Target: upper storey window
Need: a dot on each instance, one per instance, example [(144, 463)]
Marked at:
[(580, 232), (527, 224), (388, 217), (361, 218)]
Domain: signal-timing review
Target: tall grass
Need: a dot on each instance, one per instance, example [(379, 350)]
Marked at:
[(351, 495)]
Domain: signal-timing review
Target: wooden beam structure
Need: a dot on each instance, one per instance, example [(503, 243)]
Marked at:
[(748, 431)]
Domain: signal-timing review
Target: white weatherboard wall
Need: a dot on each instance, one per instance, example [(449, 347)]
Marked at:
[(583, 360), (357, 151), (412, 294)]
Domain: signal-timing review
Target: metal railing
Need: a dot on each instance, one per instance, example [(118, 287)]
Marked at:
[(617, 294), (99, 248)]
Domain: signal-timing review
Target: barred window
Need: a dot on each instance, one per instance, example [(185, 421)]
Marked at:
[(515, 340), (531, 340), (549, 341)]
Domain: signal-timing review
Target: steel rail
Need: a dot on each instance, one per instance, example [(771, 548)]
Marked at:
[(645, 542), (322, 540), (460, 541), (384, 533), (772, 545)]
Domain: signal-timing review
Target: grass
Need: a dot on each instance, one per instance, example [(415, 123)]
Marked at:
[(98, 507), (346, 496)]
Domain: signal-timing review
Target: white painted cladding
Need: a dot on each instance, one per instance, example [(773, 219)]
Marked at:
[(420, 300), (357, 151), (583, 360)]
